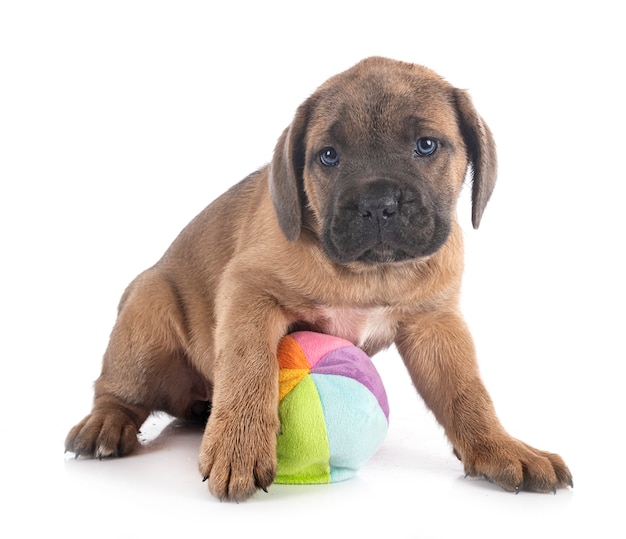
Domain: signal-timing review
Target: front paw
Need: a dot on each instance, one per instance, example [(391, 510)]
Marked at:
[(238, 457), (516, 466)]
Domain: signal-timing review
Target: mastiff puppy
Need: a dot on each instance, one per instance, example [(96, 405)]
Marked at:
[(350, 230)]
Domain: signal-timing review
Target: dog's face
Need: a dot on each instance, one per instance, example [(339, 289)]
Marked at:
[(376, 159)]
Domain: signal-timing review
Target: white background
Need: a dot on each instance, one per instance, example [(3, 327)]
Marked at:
[(120, 120)]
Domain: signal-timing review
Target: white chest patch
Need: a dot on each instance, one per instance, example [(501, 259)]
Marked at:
[(365, 327)]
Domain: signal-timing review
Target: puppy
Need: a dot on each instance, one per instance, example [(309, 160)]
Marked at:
[(351, 230)]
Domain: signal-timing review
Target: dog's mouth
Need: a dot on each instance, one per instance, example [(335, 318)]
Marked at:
[(382, 255), (384, 225)]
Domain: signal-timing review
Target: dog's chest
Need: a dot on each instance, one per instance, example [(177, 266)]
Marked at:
[(369, 328)]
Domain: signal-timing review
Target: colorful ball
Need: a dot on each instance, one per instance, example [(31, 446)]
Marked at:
[(333, 409)]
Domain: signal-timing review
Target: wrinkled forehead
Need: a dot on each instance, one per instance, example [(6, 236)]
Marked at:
[(360, 106)]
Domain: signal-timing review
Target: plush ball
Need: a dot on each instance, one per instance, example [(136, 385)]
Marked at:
[(333, 409)]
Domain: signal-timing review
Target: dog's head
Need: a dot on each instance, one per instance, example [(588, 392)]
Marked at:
[(375, 159)]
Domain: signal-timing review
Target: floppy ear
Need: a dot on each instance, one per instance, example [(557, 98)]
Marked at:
[(285, 176), (482, 153)]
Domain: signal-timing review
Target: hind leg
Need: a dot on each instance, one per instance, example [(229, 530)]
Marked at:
[(110, 430), (144, 369)]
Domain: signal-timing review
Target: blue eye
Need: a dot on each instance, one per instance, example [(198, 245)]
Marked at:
[(425, 146), (329, 157)]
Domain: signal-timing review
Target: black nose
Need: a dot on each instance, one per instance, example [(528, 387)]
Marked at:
[(379, 210)]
